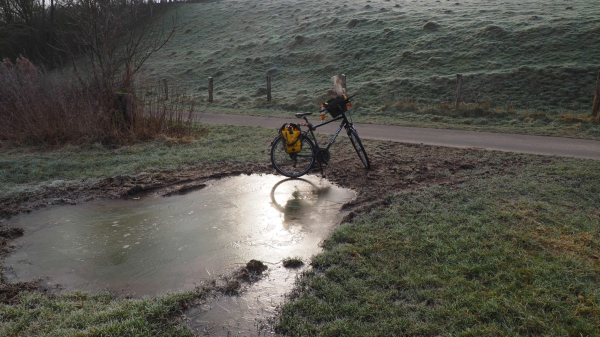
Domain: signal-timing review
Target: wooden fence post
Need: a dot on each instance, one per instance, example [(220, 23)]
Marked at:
[(458, 90), (166, 89), (596, 105), (268, 88), (344, 84), (210, 89)]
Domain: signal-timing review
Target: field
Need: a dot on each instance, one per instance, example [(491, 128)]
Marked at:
[(528, 67), (440, 241)]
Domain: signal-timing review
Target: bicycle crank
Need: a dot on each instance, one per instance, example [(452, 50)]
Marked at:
[(323, 156)]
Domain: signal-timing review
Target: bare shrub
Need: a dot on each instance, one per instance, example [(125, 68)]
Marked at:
[(169, 118), (37, 107)]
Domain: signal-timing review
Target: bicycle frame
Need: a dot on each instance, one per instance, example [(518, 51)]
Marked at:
[(345, 124)]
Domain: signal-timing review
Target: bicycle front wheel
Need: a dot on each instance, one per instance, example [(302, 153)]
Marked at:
[(292, 165), (360, 150)]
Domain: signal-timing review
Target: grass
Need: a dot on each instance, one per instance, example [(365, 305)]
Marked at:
[(81, 314), (505, 256), (470, 117), (520, 58), (475, 118), (23, 168)]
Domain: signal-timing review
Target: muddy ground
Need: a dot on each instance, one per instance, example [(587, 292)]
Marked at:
[(395, 168)]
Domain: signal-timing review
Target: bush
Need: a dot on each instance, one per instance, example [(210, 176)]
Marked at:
[(41, 108), (37, 107)]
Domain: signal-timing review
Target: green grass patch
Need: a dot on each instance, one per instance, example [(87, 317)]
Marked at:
[(29, 168), (81, 314), (507, 256)]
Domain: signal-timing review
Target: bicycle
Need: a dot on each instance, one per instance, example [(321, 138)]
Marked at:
[(294, 165)]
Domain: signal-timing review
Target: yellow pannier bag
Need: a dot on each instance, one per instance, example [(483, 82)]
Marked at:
[(291, 135)]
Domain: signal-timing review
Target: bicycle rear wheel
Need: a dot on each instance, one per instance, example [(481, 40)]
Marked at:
[(292, 165), (360, 150)]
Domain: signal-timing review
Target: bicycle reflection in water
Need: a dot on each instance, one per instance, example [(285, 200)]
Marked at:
[(296, 198)]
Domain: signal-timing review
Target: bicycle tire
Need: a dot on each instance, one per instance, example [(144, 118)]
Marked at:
[(360, 149), (292, 165)]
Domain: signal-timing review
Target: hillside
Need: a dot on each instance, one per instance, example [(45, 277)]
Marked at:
[(523, 55)]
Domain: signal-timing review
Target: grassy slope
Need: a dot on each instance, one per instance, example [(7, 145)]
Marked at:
[(507, 256), (518, 57)]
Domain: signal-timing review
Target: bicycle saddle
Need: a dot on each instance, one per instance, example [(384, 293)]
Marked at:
[(302, 114)]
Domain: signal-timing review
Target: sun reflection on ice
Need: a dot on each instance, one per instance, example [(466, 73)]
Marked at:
[(212, 231)]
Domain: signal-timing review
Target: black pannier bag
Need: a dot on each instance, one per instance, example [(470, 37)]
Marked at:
[(337, 106)]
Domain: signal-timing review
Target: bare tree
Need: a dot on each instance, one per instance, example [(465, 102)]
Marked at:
[(21, 26), (116, 38)]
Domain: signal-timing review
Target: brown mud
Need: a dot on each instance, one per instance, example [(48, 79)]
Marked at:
[(394, 168)]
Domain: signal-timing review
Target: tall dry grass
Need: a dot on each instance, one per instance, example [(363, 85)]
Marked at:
[(42, 108), (170, 116)]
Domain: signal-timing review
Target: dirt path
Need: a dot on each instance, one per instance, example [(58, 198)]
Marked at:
[(550, 146)]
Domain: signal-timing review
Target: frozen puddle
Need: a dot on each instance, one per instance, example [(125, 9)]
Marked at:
[(157, 244)]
